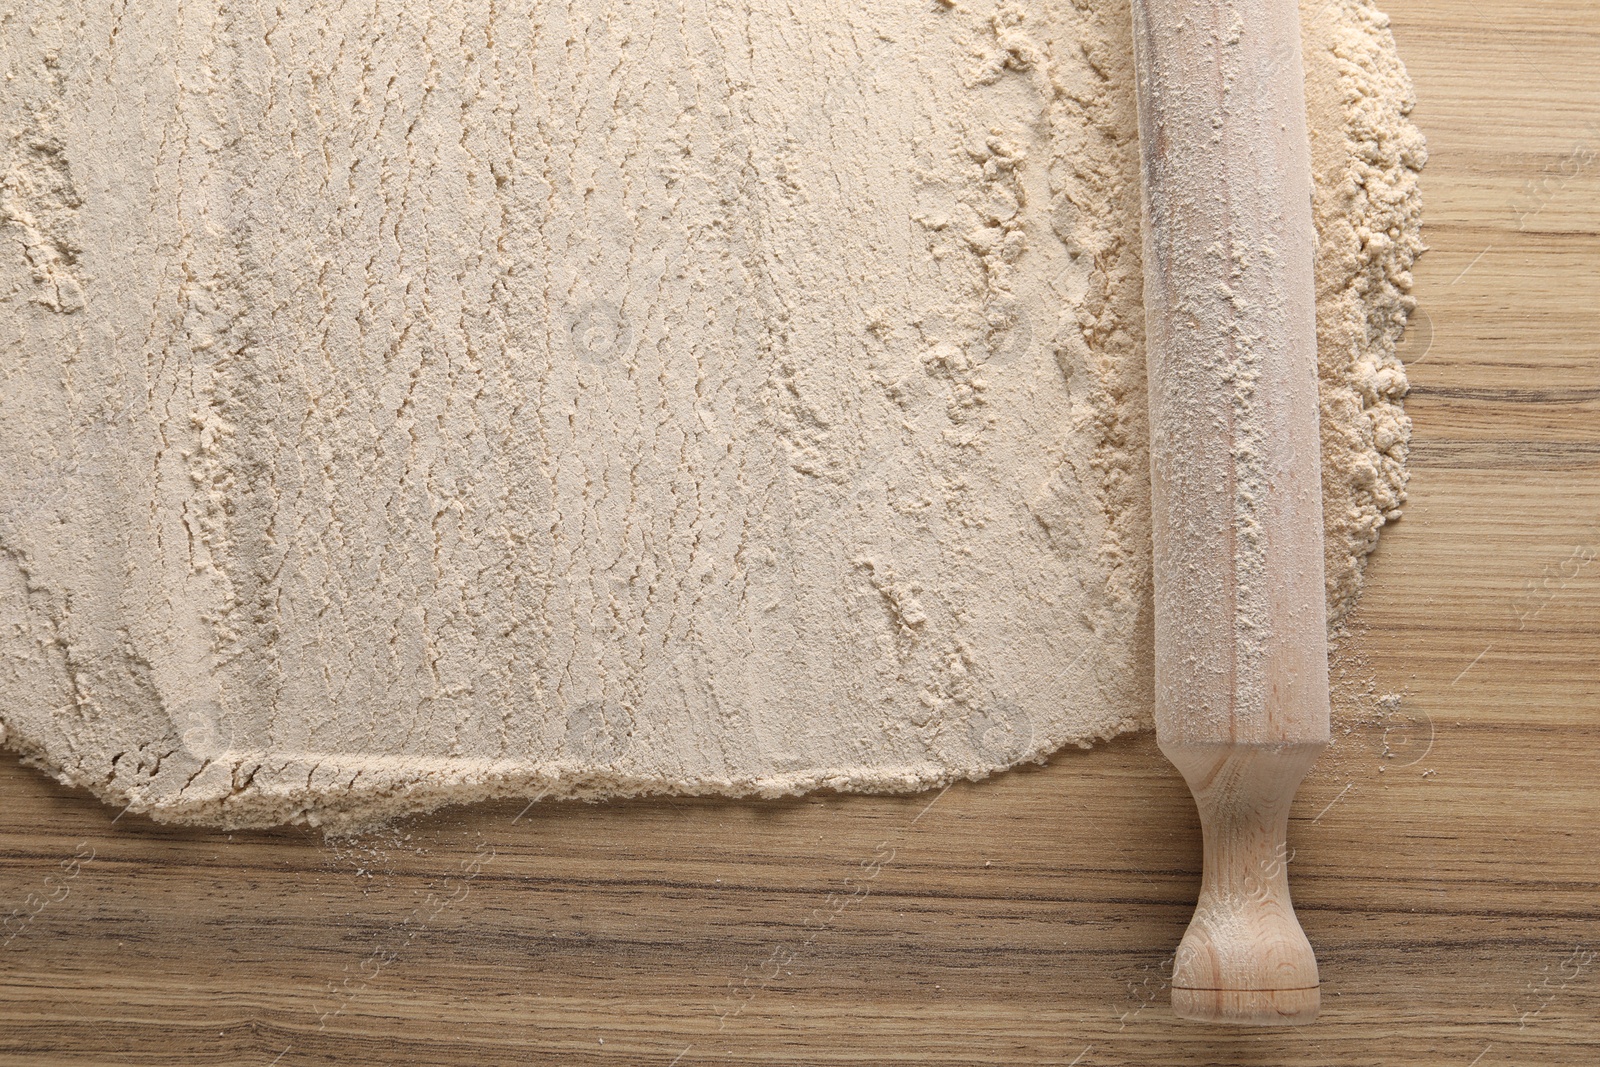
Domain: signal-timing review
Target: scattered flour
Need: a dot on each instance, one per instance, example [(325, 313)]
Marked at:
[(410, 404)]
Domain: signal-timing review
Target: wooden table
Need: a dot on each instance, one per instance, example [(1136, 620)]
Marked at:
[(1448, 848)]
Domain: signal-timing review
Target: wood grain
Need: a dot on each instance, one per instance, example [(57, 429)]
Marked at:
[(1453, 897)]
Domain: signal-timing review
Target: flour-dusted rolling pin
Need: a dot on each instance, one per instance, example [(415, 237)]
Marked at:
[(1241, 628)]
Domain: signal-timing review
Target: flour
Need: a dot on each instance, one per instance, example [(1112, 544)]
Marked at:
[(422, 403)]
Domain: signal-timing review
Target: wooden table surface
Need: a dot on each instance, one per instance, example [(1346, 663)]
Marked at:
[(1447, 862)]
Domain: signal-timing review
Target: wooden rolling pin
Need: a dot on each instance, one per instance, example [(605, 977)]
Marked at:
[(1240, 617)]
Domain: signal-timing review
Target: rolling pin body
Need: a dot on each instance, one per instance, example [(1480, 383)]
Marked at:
[(1240, 617)]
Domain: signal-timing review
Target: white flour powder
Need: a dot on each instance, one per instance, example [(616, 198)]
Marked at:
[(407, 403)]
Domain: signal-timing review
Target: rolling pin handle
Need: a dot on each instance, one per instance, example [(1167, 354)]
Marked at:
[(1244, 959)]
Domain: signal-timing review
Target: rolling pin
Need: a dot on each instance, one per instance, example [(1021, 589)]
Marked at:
[(1241, 647)]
